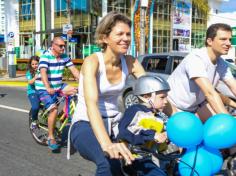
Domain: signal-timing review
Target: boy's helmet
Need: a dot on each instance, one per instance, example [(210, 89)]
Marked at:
[(147, 84)]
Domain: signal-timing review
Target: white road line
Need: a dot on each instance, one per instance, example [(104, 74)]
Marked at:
[(13, 108)]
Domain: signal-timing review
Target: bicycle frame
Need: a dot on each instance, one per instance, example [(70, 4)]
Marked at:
[(71, 111), (62, 119)]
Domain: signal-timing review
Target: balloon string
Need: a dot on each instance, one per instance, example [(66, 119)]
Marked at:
[(194, 162)]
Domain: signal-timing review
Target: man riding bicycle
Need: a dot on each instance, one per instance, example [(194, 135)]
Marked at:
[(49, 82), (194, 80)]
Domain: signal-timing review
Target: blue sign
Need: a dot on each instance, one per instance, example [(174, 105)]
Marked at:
[(10, 35), (64, 36), (1, 38), (73, 40)]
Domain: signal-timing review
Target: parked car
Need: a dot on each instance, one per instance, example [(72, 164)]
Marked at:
[(162, 64)]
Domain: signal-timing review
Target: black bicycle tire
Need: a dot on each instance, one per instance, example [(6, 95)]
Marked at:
[(57, 134), (34, 135)]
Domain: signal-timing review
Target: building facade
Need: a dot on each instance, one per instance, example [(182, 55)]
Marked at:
[(2, 17), (2, 21), (40, 20)]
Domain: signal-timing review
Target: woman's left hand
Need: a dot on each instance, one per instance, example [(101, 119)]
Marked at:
[(118, 151)]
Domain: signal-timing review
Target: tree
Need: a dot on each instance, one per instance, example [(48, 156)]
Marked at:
[(201, 5)]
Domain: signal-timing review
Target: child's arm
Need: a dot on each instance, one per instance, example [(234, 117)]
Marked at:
[(30, 79), (124, 133)]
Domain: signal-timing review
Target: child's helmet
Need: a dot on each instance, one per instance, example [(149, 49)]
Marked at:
[(147, 84)]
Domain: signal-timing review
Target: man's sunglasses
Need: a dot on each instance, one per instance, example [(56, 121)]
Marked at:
[(60, 46)]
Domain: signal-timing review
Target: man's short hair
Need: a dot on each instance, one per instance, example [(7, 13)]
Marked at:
[(212, 30)]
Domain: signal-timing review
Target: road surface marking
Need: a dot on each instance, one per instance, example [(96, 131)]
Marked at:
[(12, 83), (13, 108)]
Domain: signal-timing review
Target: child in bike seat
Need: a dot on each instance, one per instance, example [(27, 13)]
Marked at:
[(31, 76), (143, 124)]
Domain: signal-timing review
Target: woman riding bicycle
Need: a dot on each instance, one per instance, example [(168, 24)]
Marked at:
[(102, 79)]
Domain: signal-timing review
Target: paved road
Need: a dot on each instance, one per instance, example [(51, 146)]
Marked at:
[(19, 154)]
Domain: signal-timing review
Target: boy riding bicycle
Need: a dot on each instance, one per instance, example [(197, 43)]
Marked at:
[(49, 82), (143, 124)]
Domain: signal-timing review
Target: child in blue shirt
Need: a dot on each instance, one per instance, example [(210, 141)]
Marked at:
[(31, 76), (140, 126)]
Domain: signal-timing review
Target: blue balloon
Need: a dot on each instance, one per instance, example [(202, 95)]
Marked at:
[(185, 129), (203, 164), (219, 131), (216, 159)]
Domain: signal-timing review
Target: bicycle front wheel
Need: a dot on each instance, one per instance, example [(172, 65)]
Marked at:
[(39, 131)]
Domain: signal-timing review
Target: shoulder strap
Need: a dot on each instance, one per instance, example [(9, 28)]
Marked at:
[(100, 61), (124, 65)]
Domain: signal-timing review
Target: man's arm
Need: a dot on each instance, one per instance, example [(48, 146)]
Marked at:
[(44, 77), (231, 83), (74, 71), (212, 97), (228, 101)]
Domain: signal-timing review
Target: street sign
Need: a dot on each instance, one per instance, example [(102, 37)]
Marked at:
[(64, 36), (73, 40), (10, 35), (66, 28)]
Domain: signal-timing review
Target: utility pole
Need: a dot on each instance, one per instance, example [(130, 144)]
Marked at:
[(68, 22), (144, 5), (12, 34)]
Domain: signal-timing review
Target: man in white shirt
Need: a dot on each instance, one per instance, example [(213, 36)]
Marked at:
[(192, 84)]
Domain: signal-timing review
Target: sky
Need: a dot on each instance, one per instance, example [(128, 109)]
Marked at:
[(229, 6)]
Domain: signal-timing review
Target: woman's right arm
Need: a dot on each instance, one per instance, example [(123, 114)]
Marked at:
[(89, 72)]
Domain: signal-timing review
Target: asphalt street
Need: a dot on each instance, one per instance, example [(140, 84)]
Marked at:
[(20, 155)]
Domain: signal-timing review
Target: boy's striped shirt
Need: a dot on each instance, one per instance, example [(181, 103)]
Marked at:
[(55, 69)]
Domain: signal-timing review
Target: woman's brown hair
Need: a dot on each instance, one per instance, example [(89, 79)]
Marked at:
[(105, 26)]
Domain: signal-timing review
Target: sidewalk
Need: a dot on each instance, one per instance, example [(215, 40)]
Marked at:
[(21, 81)]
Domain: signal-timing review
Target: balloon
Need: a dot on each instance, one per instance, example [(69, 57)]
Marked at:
[(203, 165), (216, 159), (219, 131), (185, 129)]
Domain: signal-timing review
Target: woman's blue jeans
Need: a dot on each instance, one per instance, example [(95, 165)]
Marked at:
[(85, 142), (35, 102)]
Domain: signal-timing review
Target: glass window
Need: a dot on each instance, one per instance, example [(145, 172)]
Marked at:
[(199, 26), (27, 15), (161, 24), (156, 64), (122, 6)]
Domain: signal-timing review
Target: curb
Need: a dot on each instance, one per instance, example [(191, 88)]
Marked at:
[(25, 83), (13, 83)]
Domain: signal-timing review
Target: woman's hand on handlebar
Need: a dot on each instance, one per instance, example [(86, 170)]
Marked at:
[(118, 151)]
